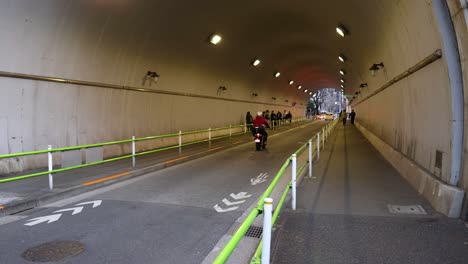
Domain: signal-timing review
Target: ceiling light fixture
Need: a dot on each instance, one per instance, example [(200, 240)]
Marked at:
[(256, 62), (310, 93), (291, 82), (342, 58), (342, 81), (342, 86), (215, 39), (305, 91), (299, 87), (342, 72), (341, 30), (277, 74)]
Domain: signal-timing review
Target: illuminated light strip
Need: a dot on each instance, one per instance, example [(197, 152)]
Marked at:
[(105, 179), (1, 206)]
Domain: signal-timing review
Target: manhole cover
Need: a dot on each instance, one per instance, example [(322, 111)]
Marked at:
[(406, 209), (53, 251)]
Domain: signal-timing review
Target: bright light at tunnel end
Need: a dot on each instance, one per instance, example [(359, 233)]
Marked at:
[(215, 39)]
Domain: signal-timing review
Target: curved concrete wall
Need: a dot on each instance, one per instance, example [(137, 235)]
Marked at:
[(111, 44)]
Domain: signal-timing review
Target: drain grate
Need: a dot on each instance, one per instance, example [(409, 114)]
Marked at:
[(254, 231), (406, 209), (53, 251)]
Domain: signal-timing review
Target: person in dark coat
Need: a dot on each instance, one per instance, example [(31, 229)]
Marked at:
[(352, 115), (279, 117), (273, 118), (249, 121)]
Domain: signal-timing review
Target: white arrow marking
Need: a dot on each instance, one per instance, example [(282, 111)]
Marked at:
[(76, 210), (241, 195), (95, 203), (48, 218), (229, 203), (221, 210)]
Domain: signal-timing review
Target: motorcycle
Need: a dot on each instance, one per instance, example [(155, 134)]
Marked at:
[(259, 141)]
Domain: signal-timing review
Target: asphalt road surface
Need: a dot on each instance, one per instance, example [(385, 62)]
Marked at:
[(169, 216)]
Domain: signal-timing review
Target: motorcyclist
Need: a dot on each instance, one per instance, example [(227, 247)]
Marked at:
[(262, 124)]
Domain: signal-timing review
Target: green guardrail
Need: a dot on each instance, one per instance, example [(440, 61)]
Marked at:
[(242, 229), (54, 150)]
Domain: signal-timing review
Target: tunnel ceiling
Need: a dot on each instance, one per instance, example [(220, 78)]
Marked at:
[(297, 38)]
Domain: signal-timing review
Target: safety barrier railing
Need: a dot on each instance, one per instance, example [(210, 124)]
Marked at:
[(264, 205), (232, 131)]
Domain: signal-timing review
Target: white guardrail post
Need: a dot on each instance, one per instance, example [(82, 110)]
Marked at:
[(245, 128), (180, 141), (266, 237), (310, 157), (51, 167), (133, 151), (209, 135), (230, 130), (293, 181), (318, 145)]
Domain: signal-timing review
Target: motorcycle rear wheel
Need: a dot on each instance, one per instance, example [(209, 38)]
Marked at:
[(258, 146)]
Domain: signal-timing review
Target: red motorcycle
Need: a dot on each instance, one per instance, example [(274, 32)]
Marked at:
[(259, 141)]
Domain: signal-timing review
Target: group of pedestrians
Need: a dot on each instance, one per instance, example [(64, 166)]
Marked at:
[(274, 118), (344, 116)]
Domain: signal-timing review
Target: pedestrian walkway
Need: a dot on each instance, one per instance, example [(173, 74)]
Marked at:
[(353, 211)]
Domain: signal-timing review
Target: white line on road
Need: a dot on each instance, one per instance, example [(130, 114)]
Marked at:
[(229, 203), (221, 210)]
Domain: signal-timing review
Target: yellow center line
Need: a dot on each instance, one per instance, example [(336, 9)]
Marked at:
[(105, 179), (174, 160), (213, 149)]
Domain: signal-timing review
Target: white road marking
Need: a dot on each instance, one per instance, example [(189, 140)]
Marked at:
[(228, 203), (221, 210), (241, 195), (95, 203), (48, 218), (76, 210), (259, 179)]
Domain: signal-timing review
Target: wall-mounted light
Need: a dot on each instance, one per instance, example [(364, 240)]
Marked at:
[(341, 30), (342, 72), (215, 39), (151, 77), (375, 67), (342, 58), (255, 62), (299, 87), (277, 74), (363, 85), (221, 89), (254, 94), (291, 82)]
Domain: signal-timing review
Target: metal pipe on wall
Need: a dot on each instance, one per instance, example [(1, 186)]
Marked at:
[(452, 57)]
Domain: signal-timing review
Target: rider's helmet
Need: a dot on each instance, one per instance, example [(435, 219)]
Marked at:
[(259, 113)]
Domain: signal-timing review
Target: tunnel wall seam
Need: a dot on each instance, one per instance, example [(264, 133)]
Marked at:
[(443, 197)]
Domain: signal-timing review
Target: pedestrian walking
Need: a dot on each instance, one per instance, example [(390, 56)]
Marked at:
[(248, 121), (343, 117), (352, 115)]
